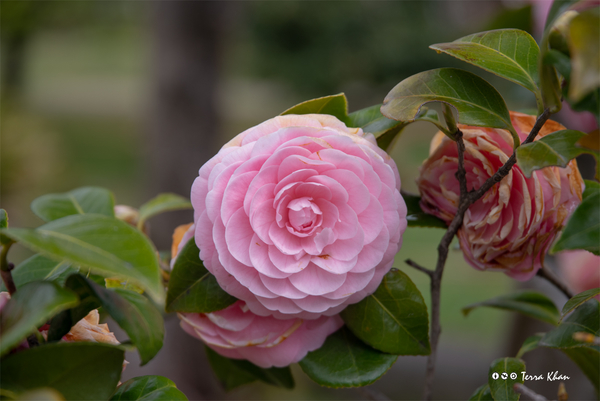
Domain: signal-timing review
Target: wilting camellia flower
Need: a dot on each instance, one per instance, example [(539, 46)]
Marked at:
[(512, 226), (236, 332), (299, 216)]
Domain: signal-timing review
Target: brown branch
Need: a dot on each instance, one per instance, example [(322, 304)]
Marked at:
[(420, 268), (521, 388), (466, 199), (549, 275)]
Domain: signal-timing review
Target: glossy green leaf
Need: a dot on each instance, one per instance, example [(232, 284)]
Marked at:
[(160, 204), (586, 318), (530, 344), (371, 120), (148, 388), (335, 105), (133, 312), (105, 245), (30, 307), (78, 201), (483, 393), (579, 299), (588, 360), (502, 387), (386, 140), (4, 224), (509, 53), (233, 373), (37, 268), (79, 370), (393, 319), (192, 288), (528, 303), (475, 100), (345, 361), (584, 45), (416, 217), (583, 228), (555, 149)]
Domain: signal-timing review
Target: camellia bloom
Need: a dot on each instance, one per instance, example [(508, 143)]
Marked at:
[(236, 332), (512, 226), (299, 216)]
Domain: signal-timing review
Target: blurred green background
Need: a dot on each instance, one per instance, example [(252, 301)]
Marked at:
[(83, 86)]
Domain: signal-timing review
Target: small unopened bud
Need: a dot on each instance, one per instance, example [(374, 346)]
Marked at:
[(562, 392), (128, 214), (586, 338)]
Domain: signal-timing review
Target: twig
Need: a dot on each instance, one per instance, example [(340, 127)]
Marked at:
[(555, 280), (521, 388), (5, 269), (466, 199), (425, 270)]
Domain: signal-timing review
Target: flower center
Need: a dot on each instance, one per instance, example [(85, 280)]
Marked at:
[(303, 216)]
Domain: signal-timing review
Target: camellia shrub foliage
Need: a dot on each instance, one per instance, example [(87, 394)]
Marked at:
[(297, 222)]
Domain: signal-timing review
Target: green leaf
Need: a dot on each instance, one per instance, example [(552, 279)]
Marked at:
[(79, 370), (475, 100), (555, 149), (530, 344), (387, 139), (585, 318), (588, 360), (233, 373), (502, 387), (584, 45), (78, 201), (371, 120), (133, 312), (4, 224), (416, 217), (579, 299), (560, 61), (528, 303), (148, 388), (335, 105), (38, 268), (192, 288), (30, 307), (345, 361), (483, 393), (393, 319), (509, 53), (583, 228), (162, 203), (105, 245)]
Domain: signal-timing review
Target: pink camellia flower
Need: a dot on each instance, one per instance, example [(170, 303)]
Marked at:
[(580, 269), (512, 226), (299, 216), (235, 332)]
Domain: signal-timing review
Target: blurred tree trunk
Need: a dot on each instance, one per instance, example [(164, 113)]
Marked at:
[(184, 119)]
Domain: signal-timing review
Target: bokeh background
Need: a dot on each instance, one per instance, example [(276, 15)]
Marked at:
[(135, 96)]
